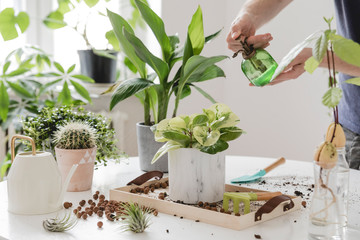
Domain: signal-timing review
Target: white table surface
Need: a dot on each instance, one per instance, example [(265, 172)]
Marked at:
[(290, 177)]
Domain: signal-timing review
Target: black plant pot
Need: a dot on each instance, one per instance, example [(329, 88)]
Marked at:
[(101, 69)]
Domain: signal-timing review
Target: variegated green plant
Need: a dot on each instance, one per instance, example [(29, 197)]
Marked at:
[(208, 131)]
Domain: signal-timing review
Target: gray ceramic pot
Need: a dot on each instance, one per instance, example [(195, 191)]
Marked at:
[(147, 147)]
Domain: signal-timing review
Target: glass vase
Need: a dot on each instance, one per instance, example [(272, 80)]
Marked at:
[(342, 187), (259, 68), (324, 218)]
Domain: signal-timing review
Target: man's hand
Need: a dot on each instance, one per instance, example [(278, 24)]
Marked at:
[(295, 68), (244, 26)]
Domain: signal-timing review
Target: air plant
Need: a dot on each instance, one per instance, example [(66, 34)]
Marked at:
[(60, 225), (136, 218)]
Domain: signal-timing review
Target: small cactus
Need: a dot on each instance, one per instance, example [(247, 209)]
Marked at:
[(75, 135)]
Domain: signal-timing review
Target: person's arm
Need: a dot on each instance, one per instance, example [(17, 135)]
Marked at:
[(296, 67), (253, 15)]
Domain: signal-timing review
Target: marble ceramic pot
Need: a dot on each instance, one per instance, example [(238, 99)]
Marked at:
[(196, 176), (82, 178), (147, 147)]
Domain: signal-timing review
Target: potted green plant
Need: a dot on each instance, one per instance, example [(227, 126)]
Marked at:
[(76, 144), (155, 89), (195, 144), (43, 126), (99, 64)]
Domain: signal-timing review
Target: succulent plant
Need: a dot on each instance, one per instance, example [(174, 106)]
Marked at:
[(135, 218), (60, 225), (75, 135)]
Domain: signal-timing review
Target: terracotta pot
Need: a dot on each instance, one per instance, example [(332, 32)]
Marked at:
[(82, 178), (196, 176)]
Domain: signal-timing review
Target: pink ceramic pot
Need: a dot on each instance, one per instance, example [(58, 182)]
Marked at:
[(82, 178)]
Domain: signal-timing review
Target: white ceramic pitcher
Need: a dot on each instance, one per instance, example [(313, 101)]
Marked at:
[(34, 181)]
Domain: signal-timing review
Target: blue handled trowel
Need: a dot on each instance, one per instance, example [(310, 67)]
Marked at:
[(258, 175)]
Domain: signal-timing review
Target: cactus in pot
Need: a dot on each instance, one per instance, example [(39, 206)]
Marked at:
[(76, 144), (75, 135)]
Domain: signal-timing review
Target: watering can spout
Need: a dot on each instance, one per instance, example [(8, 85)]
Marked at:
[(67, 181)]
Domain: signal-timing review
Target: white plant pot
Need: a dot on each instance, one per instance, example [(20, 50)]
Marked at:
[(196, 176)]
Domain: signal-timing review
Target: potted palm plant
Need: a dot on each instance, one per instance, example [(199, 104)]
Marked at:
[(195, 145), (155, 89), (76, 144)]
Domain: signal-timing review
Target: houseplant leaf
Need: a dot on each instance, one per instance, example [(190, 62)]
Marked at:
[(347, 50), (4, 102), (157, 26), (320, 47), (212, 36), (355, 81), (91, 3), (332, 97), (230, 133), (211, 72), (170, 145), (128, 88), (6, 67), (59, 67), (55, 20), (44, 88), (118, 23), (83, 78), (71, 68), (8, 22), (111, 37), (311, 64), (196, 32), (205, 94), (219, 146), (65, 95), (81, 90), (205, 136), (200, 120), (17, 72), (159, 66), (19, 90), (177, 137)]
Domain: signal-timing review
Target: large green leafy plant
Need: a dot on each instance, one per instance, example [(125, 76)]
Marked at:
[(33, 78), (154, 90), (43, 127), (209, 131)]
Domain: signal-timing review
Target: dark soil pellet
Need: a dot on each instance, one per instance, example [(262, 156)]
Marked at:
[(197, 220), (164, 185), (200, 204), (303, 203), (95, 197), (257, 236), (82, 203), (167, 230), (237, 214), (181, 217)]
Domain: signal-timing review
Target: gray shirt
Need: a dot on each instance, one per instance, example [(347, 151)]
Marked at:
[(348, 25)]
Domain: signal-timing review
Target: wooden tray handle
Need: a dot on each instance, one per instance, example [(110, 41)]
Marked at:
[(33, 147), (146, 177), (270, 205)]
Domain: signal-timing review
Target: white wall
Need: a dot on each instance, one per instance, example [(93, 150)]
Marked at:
[(285, 120)]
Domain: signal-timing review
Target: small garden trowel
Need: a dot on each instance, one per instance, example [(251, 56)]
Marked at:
[(259, 174)]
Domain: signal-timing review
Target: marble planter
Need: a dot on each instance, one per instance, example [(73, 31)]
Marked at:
[(196, 176), (147, 147)]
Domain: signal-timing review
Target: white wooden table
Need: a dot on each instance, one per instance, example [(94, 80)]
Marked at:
[(293, 176)]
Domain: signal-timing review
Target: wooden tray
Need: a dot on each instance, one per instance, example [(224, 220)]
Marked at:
[(207, 216)]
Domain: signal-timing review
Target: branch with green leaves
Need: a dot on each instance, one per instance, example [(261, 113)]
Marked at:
[(154, 90), (326, 44)]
